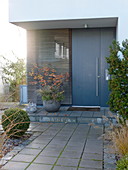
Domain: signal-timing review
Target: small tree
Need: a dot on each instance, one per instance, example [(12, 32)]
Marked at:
[(14, 74), (51, 83), (118, 84)]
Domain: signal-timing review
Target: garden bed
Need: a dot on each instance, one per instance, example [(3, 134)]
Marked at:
[(13, 143)]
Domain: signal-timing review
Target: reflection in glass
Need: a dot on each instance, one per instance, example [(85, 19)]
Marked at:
[(53, 50)]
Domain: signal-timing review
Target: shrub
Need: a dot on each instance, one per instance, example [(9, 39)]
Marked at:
[(123, 163), (51, 83), (118, 84), (15, 122), (49, 93)]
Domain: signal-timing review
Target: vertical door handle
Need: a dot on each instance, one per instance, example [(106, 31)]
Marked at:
[(97, 76)]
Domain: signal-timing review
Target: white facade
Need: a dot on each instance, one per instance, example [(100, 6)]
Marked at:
[(42, 14)]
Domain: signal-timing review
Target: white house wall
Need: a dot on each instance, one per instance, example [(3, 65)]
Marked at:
[(48, 10)]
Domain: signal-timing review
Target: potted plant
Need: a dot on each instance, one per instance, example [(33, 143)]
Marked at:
[(51, 86)]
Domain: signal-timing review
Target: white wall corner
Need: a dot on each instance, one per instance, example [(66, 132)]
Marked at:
[(122, 29)]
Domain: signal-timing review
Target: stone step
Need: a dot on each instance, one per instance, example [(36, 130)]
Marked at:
[(68, 119)]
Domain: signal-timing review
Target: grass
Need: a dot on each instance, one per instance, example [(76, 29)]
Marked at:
[(120, 139), (119, 135)]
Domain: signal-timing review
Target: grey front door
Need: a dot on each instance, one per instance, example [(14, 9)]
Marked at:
[(89, 49)]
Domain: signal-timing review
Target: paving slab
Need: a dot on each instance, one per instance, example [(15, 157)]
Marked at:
[(15, 166), (71, 154), (90, 169), (64, 168), (53, 149), (45, 160), (74, 148), (76, 143), (50, 153), (23, 158), (87, 114), (30, 151), (91, 164), (39, 167), (93, 150), (68, 162), (92, 156), (36, 146)]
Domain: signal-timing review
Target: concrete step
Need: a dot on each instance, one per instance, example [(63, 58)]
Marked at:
[(68, 119)]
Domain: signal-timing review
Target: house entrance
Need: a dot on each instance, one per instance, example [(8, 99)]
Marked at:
[(89, 67)]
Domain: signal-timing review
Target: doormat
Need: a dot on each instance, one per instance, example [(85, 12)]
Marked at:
[(83, 109)]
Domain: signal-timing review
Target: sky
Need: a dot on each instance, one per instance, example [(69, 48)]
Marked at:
[(12, 38)]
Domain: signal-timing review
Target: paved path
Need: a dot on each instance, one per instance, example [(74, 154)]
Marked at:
[(60, 146)]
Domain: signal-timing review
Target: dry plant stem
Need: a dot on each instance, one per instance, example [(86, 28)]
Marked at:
[(9, 96), (119, 135), (120, 140), (5, 136), (12, 122), (2, 142)]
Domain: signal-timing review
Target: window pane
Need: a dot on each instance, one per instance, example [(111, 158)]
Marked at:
[(53, 50)]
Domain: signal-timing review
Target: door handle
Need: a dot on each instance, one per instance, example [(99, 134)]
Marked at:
[(97, 76)]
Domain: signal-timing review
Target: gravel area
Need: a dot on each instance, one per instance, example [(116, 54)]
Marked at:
[(11, 143), (109, 154)]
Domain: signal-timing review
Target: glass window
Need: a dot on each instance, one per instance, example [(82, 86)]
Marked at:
[(53, 50)]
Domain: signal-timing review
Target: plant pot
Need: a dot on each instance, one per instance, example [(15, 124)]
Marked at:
[(51, 105)]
